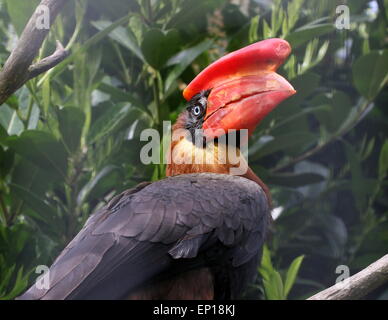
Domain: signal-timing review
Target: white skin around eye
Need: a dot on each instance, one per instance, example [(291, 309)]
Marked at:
[(202, 101)]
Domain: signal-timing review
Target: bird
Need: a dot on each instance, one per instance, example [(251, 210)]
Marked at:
[(198, 233)]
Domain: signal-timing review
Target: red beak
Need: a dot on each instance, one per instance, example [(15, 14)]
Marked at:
[(244, 87)]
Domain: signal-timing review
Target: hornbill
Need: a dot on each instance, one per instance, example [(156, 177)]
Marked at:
[(198, 233)]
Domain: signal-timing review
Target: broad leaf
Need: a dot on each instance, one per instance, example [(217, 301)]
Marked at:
[(383, 160), (285, 142), (20, 12), (100, 184), (114, 119), (118, 95), (6, 161), (292, 272), (42, 149), (84, 47), (10, 121), (159, 46), (307, 33), (71, 121), (123, 36), (370, 73), (272, 281), (44, 212), (183, 59)]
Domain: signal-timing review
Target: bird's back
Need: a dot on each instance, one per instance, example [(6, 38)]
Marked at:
[(150, 240)]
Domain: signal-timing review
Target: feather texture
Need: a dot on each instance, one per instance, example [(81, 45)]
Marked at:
[(148, 233)]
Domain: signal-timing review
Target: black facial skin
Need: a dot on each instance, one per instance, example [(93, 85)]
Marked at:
[(196, 111)]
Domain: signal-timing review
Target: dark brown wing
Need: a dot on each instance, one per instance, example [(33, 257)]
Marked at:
[(152, 231)]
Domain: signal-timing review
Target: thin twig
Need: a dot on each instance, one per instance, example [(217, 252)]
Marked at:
[(49, 62), (18, 68)]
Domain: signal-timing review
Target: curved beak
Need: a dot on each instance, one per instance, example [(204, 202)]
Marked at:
[(244, 87)]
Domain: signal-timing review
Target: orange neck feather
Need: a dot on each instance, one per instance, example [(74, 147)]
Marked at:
[(185, 157)]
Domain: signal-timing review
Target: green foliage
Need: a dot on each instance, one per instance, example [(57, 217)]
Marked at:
[(20, 12), (383, 160), (277, 287), (70, 139), (157, 46), (370, 73)]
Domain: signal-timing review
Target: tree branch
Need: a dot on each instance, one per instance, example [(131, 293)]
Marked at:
[(17, 69), (48, 62), (358, 285)]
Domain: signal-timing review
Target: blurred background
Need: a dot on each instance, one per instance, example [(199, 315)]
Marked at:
[(69, 139)]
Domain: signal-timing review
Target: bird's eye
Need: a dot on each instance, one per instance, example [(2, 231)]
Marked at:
[(197, 110)]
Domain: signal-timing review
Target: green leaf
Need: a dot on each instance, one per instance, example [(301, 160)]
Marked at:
[(266, 263), (98, 37), (20, 284), (183, 59), (44, 212), (118, 95), (46, 95), (5, 279), (357, 176), (266, 267), (304, 84), (193, 12), (274, 287), (258, 143), (370, 73), (331, 117), (254, 25), (290, 115), (113, 8), (293, 11), (272, 281), (307, 33), (267, 32), (355, 115), (20, 12), (313, 55), (25, 173), (10, 121), (123, 36), (42, 149), (383, 160), (114, 119), (285, 142), (100, 184), (312, 190), (3, 134), (6, 161), (84, 47), (159, 46), (71, 121), (292, 272)]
